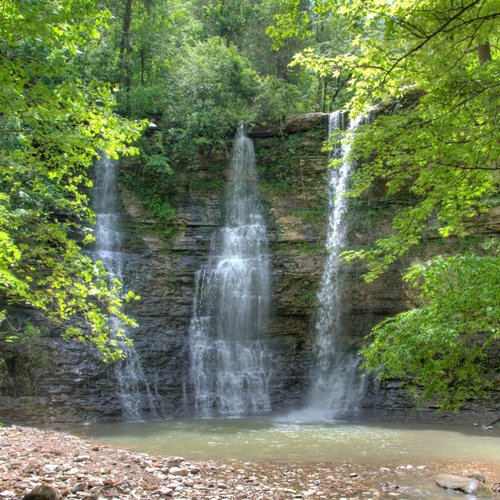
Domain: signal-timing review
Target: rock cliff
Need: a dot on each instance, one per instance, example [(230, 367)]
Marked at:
[(161, 269)]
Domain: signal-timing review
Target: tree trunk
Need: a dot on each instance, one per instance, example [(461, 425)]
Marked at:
[(125, 52), (484, 52)]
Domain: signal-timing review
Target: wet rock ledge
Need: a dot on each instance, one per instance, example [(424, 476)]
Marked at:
[(78, 468)]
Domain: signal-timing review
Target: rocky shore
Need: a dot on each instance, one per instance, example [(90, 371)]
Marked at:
[(78, 468)]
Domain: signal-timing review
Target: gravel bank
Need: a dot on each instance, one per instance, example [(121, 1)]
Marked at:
[(82, 469)]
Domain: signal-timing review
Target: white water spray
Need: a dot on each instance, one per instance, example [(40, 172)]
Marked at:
[(229, 361), (132, 387)]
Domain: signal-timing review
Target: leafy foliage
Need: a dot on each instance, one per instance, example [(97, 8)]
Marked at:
[(23, 366), (440, 348), (278, 99), (53, 126), (152, 177), (430, 71), (211, 96)]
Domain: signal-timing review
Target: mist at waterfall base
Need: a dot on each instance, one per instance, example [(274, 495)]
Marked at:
[(132, 387), (229, 359)]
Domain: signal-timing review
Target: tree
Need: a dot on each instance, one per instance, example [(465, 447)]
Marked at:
[(443, 346), (53, 125), (430, 71), (210, 96)]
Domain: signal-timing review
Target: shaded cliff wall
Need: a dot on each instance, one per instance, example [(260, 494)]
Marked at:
[(160, 266)]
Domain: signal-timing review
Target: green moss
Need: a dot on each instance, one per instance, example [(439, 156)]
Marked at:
[(300, 290), (316, 214)]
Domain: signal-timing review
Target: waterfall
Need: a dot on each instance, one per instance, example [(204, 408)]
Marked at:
[(337, 386), (132, 387), (230, 364)]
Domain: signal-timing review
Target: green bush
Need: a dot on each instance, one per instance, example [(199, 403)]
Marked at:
[(211, 93)]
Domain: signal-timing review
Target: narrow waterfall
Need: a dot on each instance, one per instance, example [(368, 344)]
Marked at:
[(336, 387), (230, 364), (132, 386)]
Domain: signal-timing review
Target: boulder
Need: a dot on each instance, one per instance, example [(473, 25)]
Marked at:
[(43, 493), (459, 483)]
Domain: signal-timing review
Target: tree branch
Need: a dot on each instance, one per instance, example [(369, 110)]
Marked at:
[(436, 32)]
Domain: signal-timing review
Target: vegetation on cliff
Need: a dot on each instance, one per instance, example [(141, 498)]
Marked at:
[(430, 71)]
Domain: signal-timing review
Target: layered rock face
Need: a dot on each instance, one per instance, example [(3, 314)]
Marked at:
[(292, 172)]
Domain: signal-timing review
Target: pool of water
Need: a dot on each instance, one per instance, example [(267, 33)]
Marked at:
[(260, 440)]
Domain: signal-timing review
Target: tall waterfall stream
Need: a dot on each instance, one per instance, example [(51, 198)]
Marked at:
[(336, 385), (229, 360), (131, 384)]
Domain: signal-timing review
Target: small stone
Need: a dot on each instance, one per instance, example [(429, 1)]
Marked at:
[(174, 461), (353, 474), (179, 471), (79, 487), (82, 458), (50, 467), (165, 492)]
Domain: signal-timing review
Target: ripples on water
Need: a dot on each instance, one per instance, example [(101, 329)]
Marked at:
[(275, 440)]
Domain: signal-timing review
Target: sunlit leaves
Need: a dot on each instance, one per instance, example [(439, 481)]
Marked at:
[(54, 124), (293, 21)]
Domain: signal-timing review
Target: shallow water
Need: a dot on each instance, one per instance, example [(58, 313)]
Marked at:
[(260, 440)]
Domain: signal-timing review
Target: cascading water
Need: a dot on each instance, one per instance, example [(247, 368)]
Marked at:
[(229, 360), (132, 386), (337, 386)]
